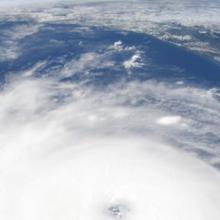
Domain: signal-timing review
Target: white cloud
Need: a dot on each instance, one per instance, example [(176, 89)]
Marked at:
[(180, 38), (134, 62), (157, 18), (128, 14), (85, 63), (169, 120), (10, 48), (77, 156), (118, 45), (71, 152)]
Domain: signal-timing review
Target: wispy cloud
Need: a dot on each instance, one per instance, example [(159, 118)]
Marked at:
[(10, 40), (158, 18)]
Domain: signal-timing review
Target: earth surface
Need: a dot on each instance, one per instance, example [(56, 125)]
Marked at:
[(110, 110)]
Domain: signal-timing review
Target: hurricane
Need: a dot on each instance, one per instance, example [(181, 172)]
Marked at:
[(110, 110)]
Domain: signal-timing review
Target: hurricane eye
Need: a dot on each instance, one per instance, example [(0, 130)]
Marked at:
[(118, 211)]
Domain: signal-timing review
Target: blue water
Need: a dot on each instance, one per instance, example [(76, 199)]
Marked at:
[(59, 43)]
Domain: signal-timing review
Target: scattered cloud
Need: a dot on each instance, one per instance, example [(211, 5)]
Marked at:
[(153, 17), (134, 62), (10, 40), (85, 64)]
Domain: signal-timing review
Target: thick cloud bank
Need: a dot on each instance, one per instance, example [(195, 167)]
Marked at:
[(74, 152)]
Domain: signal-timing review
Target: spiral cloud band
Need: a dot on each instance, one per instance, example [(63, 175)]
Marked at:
[(85, 159)]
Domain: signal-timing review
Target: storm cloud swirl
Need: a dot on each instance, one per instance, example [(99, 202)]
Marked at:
[(97, 122)]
